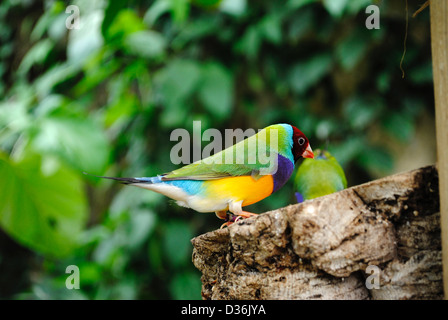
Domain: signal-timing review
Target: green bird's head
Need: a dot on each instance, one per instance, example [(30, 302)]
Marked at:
[(319, 176)]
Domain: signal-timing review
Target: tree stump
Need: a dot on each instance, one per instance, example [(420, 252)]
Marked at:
[(378, 240)]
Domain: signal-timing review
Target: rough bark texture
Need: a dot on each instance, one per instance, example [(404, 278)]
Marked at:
[(320, 249)]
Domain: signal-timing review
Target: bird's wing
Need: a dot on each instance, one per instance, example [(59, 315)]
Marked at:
[(245, 158), (201, 171)]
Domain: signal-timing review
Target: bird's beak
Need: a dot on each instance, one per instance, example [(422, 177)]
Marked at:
[(308, 153)]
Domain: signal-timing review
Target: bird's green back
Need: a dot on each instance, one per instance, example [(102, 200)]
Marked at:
[(320, 176), (248, 157)]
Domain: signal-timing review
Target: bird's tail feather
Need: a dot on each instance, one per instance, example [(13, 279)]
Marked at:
[(129, 180)]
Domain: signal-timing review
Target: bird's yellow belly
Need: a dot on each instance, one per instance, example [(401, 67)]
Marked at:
[(243, 188)]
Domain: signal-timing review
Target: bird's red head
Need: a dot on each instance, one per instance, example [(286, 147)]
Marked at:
[(301, 146)]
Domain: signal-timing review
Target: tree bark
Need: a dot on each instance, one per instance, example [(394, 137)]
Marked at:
[(320, 249)]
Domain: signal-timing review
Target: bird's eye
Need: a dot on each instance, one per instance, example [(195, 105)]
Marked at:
[(301, 141)]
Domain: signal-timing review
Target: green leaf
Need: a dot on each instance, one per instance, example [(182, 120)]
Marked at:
[(141, 226), (157, 9), (376, 160), (47, 21), (174, 114), (206, 4), (97, 69), (383, 81), (120, 112), (297, 4), (180, 9), (351, 49), (233, 7), (85, 41), (57, 74), (216, 90), (335, 7), (250, 42), (176, 242), (112, 10), (347, 150), (175, 84), (413, 104), (36, 55), (186, 286), (79, 142), (13, 118), (271, 26), (362, 111), (325, 128), (307, 73), (125, 23), (56, 31), (178, 79), (354, 7), (43, 212), (301, 25), (422, 74), (146, 43), (399, 125)]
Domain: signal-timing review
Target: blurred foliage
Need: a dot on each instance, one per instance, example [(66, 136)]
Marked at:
[(104, 99)]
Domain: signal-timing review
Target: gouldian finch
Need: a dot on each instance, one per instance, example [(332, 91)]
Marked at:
[(319, 176), (234, 177)]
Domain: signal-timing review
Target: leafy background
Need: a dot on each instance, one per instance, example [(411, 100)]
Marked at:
[(104, 99)]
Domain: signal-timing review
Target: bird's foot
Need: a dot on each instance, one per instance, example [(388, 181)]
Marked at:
[(226, 224), (246, 214), (232, 218)]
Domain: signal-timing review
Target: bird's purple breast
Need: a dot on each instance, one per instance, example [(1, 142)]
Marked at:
[(284, 171)]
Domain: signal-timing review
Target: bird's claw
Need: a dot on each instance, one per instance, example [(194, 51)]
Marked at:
[(231, 218), (225, 224)]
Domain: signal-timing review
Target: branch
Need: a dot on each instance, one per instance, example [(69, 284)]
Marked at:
[(321, 248)]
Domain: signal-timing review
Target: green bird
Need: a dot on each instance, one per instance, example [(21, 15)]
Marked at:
[(235, 177), (318, 177)]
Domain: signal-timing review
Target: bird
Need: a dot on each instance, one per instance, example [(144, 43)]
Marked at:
[(235, 177), (318, 177)]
